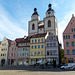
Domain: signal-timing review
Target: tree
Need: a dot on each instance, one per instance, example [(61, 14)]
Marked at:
[(62, 55)]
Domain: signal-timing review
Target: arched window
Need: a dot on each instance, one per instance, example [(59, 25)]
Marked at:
[(33, 27), (49, 23)]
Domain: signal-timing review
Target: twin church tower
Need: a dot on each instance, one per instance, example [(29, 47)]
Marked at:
[(48, 24)]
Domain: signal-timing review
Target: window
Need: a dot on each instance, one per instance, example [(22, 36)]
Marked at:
[(68, 52), (39, 52), (35, 46), (49, 23), (67, 44), (54, 52), (47, 52), (47, 44), (32, 41), (73, 36), (73, 52), (32, 47), (72, 43), (1, 54), (50, 44), (31, 53), (14, 54), (49, 38), (42, 46), (38, 40), (11, 54), (72, 30), (48, 12), (50, 52), (64, 37), (35, 40), (15, 49), (54, 44), (38, 46), (35, 53), (12, 49), (42, 40), (33, 27), (68, 36)]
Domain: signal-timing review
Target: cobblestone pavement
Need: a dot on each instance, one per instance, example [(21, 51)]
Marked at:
[(24, 70)]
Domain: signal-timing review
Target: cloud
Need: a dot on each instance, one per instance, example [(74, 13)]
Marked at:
[(55, 4), (8, 26)]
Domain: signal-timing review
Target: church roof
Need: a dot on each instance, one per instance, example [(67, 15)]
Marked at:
[(50, 8), (39, 35), (35, 12), (41, 26)]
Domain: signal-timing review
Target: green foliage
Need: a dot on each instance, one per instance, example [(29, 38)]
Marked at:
[(62, 55)]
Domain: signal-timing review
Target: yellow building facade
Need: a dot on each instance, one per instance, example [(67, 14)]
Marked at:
[(37, 48)]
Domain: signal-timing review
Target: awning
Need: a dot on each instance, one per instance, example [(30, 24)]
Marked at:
[(23, 58)]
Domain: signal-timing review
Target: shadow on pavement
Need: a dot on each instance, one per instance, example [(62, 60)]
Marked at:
[(31, 68)]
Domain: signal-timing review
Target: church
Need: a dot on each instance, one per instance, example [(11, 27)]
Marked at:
[(48, 24)]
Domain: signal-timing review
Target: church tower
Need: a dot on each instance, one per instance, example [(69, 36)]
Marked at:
[(50, 22), (33, 24)]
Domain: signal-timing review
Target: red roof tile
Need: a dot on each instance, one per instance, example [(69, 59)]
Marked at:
[(41, 26)]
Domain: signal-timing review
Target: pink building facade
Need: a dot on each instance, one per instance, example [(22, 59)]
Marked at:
[(12, 53), (69, 41)]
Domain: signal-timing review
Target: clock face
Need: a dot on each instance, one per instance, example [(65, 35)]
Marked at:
[(48, 12)]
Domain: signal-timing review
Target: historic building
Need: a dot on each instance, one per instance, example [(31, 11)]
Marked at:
[(23, 50), (37, 48), (4, 47), (52, 48), (69, 40), (12, 53), (49, 23)]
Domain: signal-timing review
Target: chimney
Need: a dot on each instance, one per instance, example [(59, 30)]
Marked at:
[(72, 15)]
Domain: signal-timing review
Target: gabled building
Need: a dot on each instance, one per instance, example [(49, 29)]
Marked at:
[(12, 53), (52, 49), (69, 41), (4, 47), (23, 45)]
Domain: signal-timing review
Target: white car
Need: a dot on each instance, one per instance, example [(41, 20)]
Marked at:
[(68, 66)]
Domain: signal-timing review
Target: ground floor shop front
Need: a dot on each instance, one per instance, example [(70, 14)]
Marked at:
[(32, 61), (23, 61)]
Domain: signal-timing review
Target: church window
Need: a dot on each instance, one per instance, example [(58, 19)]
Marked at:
[(33, 27), (49, 23)]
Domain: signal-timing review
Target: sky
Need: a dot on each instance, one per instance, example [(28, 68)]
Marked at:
[(15, 14)]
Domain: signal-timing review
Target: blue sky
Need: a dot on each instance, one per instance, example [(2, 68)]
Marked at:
[(15, 14)]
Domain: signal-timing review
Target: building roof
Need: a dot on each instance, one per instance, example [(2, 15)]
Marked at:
[(22, 40), (35, 12), (9, 41), (41, 26), (70, 26), (39, 35), (50, 9)]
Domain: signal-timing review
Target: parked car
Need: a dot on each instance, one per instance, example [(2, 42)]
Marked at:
[(68, 66), (59, 65), (72, 68)]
